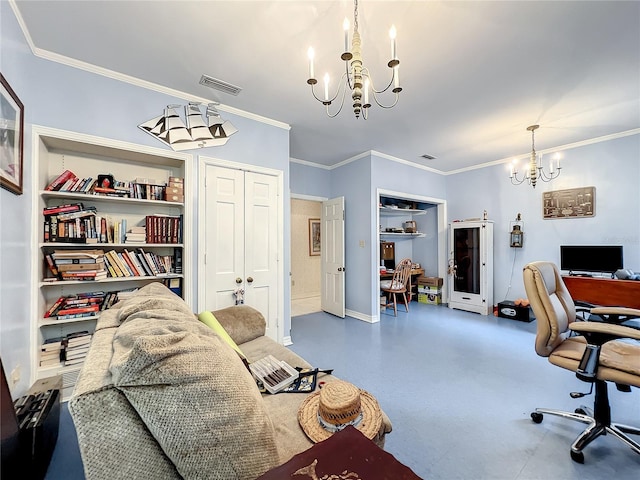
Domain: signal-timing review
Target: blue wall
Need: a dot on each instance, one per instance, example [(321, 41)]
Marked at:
[(612, 167)]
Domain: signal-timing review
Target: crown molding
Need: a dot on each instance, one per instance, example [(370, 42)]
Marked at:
[(105, 72)]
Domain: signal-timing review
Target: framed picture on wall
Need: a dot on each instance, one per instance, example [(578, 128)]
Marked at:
[(11, 138), (314, 236)]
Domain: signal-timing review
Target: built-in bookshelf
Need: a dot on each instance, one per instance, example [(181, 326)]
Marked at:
[(135, 231)]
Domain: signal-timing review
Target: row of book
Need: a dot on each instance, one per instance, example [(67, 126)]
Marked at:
[(80, 305), (70, 349), (68, 181), (96, 264), (75, 223)]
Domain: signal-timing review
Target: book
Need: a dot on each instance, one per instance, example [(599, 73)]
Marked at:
[(75, 361), (58, 209), (78, 261), (60, 180), (130, 264), (86, 212), (76, 267), (51, 265), (55, 307), (115, 264), (77, 254), (72, 309), (177, 260)]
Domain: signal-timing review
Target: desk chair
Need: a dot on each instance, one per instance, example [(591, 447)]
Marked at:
[(398, 285), (593, 354)]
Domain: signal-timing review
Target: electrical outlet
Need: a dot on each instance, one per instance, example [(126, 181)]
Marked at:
[(15, 375), (361, 243), (293, 283)]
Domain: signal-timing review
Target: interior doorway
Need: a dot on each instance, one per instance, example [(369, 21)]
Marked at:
[(305, 263)]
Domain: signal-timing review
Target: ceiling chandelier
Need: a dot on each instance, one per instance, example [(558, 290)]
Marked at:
[(357, 78), (196, 131), (535, 170)]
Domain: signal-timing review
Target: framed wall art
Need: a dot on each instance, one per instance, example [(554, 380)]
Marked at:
[(11, 138), (569, 203), (314, 236)]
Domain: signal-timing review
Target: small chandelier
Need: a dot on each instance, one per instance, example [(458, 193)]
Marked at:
[(357, 77), (197, 131), (535, 170)]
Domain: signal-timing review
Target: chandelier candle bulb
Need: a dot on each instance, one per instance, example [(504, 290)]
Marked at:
[(345, 26), (311, 54), (326, 87), (366, 92), (392, 35)]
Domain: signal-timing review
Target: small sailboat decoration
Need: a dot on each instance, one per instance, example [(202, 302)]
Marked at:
[(197, 132)]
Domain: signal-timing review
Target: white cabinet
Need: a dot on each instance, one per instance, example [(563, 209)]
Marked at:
[(471, 266), (56, 151)]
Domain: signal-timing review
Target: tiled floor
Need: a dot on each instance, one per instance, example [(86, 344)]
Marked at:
[(304, 306)]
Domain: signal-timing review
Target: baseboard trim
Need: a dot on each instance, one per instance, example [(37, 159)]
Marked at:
[(286, 341), (362, 316)]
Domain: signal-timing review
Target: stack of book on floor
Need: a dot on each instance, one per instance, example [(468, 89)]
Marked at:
[(80, 305), (75, 347), (80, 264), (50, 352)]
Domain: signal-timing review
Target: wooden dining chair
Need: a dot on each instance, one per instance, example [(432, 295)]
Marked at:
[(398, 285)]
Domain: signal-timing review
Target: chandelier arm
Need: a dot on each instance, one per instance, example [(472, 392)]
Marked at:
[(365, 71), (375, 98), (340, 85), (344, 92), (547, 177), (516, 181)]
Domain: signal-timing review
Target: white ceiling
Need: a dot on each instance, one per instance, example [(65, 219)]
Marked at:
[(474, 74)]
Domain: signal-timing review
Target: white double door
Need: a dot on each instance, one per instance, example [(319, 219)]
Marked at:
[(242, 212)]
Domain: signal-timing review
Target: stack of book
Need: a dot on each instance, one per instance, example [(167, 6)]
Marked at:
[(75, 347), (136, 235), (79, 264), (80, 305), (50, 352)]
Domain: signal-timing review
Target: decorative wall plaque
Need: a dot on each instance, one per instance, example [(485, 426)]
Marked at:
[(569, 203)]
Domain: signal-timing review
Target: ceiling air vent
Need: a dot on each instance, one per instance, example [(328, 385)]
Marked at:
[(219, 85), (426, 156)]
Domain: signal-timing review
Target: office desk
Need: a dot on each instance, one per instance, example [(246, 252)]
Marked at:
[(415, 272), (608, 292)]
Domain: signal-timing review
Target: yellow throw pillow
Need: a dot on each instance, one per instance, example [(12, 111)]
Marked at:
[(212, 322)]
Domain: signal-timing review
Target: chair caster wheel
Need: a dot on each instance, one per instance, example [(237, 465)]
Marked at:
[(580, 411), (536, 417), (577, 457)]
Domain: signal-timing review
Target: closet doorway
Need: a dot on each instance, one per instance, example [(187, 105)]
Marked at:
[(305, 262)]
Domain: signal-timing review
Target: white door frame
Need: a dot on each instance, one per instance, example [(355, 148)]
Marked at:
[(203, 161), (442, 241)]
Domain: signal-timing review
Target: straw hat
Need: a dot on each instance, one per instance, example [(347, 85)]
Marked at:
[(337, 405)]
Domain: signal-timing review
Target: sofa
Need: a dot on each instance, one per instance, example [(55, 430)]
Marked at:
[(161, 395)]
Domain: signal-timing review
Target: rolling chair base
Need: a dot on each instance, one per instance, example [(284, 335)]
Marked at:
[(593, 431)]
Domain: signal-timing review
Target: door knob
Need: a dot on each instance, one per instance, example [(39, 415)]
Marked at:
[(238, 280), (249, 279)]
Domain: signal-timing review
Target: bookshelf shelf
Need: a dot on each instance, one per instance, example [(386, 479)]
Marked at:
[(47, 322), (56, 151), (86, 283), (89, 198)]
